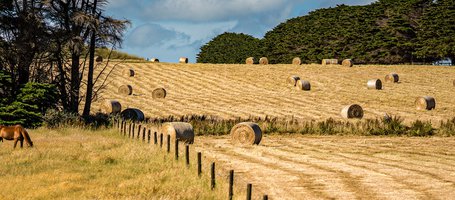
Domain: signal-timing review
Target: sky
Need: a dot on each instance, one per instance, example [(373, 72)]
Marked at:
[(170, 29)]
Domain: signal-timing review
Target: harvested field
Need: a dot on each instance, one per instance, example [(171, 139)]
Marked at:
[(340, 167), (230, 91)]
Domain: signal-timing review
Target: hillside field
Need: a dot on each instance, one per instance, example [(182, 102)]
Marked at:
[(232, 90), (302, 166)]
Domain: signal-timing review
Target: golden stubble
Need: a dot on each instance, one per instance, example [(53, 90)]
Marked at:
[(233, 90)]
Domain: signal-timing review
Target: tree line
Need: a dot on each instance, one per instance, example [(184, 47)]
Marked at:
[(46, 48), (384, 32)]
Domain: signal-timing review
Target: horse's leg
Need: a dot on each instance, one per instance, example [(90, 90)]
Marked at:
[(15, 142), (22, 142)]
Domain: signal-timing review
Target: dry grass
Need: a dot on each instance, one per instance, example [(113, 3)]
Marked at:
[(291, 167), (231, 91), (77, 164)]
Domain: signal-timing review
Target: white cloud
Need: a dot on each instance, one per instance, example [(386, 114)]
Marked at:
[(180, 27), (153, 35)]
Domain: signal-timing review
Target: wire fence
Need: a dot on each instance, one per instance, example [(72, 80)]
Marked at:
[(181, 150)]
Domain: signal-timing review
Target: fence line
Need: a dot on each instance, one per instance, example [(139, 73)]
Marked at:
[(122, 125)]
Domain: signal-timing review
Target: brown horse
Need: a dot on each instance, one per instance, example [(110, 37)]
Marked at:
[(16, 133)]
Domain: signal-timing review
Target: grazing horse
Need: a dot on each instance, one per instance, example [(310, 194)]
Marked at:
[(16, 133)]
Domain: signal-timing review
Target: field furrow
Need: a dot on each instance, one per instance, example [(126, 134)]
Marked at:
[(336, 167)]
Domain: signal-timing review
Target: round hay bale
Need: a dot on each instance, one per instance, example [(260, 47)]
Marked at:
[(303, 85), (347, 63), (425, 103), (183, 60), (128, 72), (133, 114), (329, 61), (263, 61), (159, 93), (392, 77), (352, 111), (249, 61), (247, 133), (111, 107), (292, 80), (324, 62), (182, 131), (374, 84), (296, 61), (98, 59), (125, 90), (154, 60)]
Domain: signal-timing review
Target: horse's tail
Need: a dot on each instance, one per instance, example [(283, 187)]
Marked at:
[(26, 136)]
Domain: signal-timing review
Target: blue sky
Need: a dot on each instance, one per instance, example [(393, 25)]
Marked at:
[(169, 29)]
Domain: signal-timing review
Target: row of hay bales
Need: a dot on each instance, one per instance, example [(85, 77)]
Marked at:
[(377, 83), (244, 133), (113, 107), (262, 61), (345, 62), (355, 110), (298, 61), (295, 81), (181, 60), (158, 93)]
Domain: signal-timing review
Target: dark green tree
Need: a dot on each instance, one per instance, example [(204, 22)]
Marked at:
[(383, 32), (437, 35), (44, 96), (229, 48), (29, 107)]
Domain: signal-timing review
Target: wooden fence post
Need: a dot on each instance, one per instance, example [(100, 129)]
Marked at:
[(231, 184), (139, 131), (155, 138), (132, 130), (124, 128), (199, 163), (168, 143), (129, 130), (187, 155), (248, 191), (161, 140), (121, 127), (143, 133), (176, 148), (212, 170)]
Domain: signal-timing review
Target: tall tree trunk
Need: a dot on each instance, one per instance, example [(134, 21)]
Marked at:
[(62, 84), (24, 63), (91, 63), (75, 84)]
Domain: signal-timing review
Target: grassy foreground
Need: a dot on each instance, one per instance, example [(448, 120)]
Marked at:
[(81, 164)]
